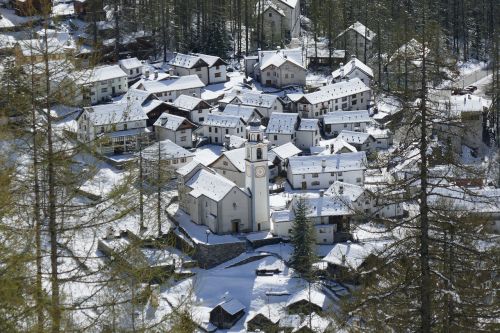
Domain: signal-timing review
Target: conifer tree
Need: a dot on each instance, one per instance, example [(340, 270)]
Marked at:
[(302, 238)]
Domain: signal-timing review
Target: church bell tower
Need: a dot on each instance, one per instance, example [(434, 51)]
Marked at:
[(257, 175)]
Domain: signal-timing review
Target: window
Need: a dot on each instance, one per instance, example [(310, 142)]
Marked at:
[(104, 90), (259, 153), (124, 126), (225, 163), (330, 182), (235, 205), (270, 14), (175, 161), (344, 106), (340, 173), (216, 130), (131, 71), (217, 74), (201, 119), (200, 111), (344, 99), (354, 102), (210, 129), (137, 70), (292, 76), (268, 73), (315, 175), (183, 138), (223, 172), (332, 174), (286, 76), (322, 231), (217, 67), (216, 139), (315, 183), (275, 137), (358, 180), (227, 131), (183, 160), (345, 125), (198, 69), (183, 131), (102, 129)]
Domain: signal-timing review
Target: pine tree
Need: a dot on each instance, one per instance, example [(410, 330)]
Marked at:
[(302, 238)]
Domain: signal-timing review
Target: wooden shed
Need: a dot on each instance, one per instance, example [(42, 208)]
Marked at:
[(227, 313)]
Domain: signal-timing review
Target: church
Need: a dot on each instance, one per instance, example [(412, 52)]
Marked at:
[(213, 200)]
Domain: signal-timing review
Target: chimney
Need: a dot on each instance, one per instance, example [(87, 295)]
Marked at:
[(321, 193), (341, 189), (146, 73), (323, 163), (156, 74), (341, 70), (353, 60)]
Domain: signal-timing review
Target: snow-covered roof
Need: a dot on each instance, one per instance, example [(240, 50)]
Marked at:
[(115, 113), (318, 324), (130, 63), (210, 184), (342, 189), (348, 68), (187, 102), (286, 150), (485, 200), (279, 57), (282, 123), (172, 122), (186, 169), (243, 111), (456, 105), (221, 120), (308, 125), (290, 3), (232, 306), (343, 117), (411, 51), (167, 150), (282, 216), (332, 163), (332, 91), (352, 255), (360, 29), (353, 137), (255, 99), (236, 142), (333, 146), (237, 158), (378, 133), (107, 73), (210, 59), (310, 295), (180, 83), (186, 60), (324, 206), (270, 5)]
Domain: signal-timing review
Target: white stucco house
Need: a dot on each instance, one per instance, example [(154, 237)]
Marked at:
[(131, 66), (281, 68), (362, 141), (193, 108), (335, 122), (281, 128), (320, 171), (266, 104), (177, 129), (355, 68), (209, 69), (307, 134), (102, 83), (344, 95), (217, 126)]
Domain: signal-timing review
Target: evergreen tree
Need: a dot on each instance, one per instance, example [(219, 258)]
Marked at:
[(302, 238)]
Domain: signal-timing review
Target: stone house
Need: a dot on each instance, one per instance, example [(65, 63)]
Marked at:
[(360, 140), (266, 104), (209, 69), (131, 66), (282, 128), (102, 83), (335, 122), (217, 126), (225, 314), (355, 68), (357, 39), (193, 108), (307, 134), (170, 89), (177, 129), (281, 68)]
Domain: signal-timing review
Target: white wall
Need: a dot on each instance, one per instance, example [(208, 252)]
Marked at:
[(307, 139), (100, 90), (325, 179), (280, 139)]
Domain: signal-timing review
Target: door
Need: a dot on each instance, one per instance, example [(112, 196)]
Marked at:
[(113, 91), (268, 82), (235, 226), (304, 185), (258, 226)]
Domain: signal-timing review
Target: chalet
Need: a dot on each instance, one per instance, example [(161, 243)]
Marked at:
[(345, 95), (177, 129), (281, 68), (266, 104), (282, 127), (193, 108), (165, 155), (265, 320), (131, 66), (307, 134), (307, 301), (353, 69), (102, 83), (120, 127), (225, 314), (217, 126), (320, 171), (360, 140), (357, 39), (335, 122), (209, 69), (170, 89)]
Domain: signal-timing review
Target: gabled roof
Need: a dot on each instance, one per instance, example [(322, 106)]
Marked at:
[(342, 189), (190, 103), (220, 120), (180, 83), (282, 123), (130, 63), (411, 51), (456, 105), (115, 113), (187, 61), (269, 5), (210, 184), (345, 88), (279, 57), (333, 163), (243, 111), (232, 306), (167, 150), (324, 206), (236, 157), (346, 117), (352, 65), (360, 29), (255, 99), (309, 125), (354, 137), (352, 255), (286, 150), (333, 146), (172, 122), (101, 73), (289, 3), (210, 59), (313, 296)]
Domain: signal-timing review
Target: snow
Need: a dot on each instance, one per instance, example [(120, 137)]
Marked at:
[(9, 19), (198, 233), (471, 66), (207, 154)]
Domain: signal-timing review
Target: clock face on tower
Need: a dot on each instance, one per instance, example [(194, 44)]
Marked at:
[(260, 171)]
